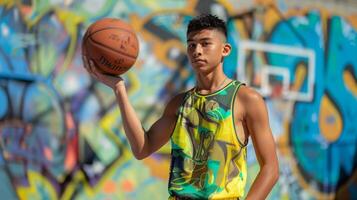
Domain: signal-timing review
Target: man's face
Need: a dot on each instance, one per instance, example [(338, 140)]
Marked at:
[(206, 48)]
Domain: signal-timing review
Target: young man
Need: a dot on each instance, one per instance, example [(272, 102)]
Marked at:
[(208, 125)]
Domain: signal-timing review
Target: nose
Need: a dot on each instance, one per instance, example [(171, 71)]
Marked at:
[(197, 51)]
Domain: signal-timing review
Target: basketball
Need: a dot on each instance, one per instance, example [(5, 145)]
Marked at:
[(112, 45)]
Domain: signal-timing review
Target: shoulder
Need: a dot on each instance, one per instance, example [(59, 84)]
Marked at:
[(250, 99), (247, 94)]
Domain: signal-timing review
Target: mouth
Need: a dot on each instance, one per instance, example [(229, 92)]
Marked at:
[(198, 61)]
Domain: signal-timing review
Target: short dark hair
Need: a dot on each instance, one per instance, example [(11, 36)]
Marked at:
[(207, 21)]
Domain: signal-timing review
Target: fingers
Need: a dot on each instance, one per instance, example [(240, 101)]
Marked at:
[(85, 62), (93, 69), (90, 67)]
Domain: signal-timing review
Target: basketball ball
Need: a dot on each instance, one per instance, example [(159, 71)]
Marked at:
[(112, 45)]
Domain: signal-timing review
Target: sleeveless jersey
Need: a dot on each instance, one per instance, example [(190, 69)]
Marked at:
[(208, 159)]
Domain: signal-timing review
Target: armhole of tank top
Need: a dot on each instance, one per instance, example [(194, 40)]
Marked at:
[(179, 110), (242, 145)]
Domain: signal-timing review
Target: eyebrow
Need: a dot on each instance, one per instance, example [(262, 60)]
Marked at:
[(201, 39)]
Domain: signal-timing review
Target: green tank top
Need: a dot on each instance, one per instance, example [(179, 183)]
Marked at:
[(208, 159)]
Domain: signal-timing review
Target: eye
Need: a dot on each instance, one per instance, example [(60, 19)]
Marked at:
[(205, 43), (191, 45)]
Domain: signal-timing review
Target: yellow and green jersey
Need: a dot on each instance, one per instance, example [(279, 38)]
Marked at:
[(208, 159)]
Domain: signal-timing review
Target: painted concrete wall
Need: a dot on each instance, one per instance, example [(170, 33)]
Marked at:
[(61, 135)]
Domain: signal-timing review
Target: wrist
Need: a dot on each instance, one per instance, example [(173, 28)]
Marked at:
[(119, 86)]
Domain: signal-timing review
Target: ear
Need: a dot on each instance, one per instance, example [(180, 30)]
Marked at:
[(226, 49)]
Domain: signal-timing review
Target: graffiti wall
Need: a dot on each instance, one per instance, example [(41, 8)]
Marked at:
[(61, 134)]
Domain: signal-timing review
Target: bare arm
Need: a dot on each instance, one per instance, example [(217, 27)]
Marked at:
[(256, 119), (142, 143)]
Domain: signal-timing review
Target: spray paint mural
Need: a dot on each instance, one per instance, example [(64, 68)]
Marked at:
[(61, 132)]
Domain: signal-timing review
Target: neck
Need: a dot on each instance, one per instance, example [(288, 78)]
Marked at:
[(211, 82)]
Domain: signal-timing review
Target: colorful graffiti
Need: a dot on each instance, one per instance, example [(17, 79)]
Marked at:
[(61, 135)]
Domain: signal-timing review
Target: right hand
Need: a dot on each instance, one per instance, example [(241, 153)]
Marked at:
[(109, 80)]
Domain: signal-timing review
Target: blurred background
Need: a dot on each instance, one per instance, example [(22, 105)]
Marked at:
[(61, 134)]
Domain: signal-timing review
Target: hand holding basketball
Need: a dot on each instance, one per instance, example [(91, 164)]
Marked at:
[(112, 45), (109, 80)]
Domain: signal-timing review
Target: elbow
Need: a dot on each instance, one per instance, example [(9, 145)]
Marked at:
[(141, 152), (275, 174), (140, 155), (272, 171), (276, 177)]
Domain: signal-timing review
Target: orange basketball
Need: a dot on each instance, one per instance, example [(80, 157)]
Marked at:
[(112, 45)]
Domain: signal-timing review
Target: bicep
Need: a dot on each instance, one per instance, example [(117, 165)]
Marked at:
[(160, 132), (258, 125)]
